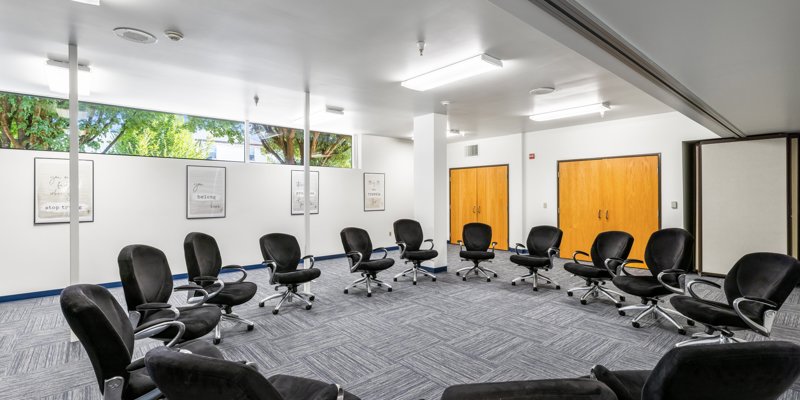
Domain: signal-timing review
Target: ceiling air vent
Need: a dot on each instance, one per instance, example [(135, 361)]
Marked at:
[(135, 35), (471, 150)]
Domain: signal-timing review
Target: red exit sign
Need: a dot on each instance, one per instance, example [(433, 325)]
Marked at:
[(532, 156)]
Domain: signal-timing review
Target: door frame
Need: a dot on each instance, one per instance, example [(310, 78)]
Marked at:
[(508, 199)]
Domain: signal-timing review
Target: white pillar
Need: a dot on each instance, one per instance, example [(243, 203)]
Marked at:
[(74, 174), (431, 182), (307, 185)]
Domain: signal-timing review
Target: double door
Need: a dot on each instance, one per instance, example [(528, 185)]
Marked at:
[(610, 194), (480, 195)]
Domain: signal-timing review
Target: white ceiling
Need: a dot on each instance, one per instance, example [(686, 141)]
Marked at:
[(740, 57), (349, 53)]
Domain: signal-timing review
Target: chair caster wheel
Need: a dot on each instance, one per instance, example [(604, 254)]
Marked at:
[(414, 283), (217, 341), (618, 305), (390, 289), (495, 275), (583, 302), (379, 285), (395, 279), (681, 331), (274, 312), (523, 279), (433, 279), (488, 279), (535, 289), (621, 298), (464, 279), (622, 313), (690, 322), (558, 287), (308, 307), (250, 327), (635, 325), (513, 283), (261, 304), (345, 291), (369, 294), (458, 273), (569, 294), (311, 298)]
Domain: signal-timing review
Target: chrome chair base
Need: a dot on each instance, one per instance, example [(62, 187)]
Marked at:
[(477, 269), (287, 297), (595, 289), (535, 275), (414, 270), (232, 317), (710, 338), (657, 311), (367, 280)]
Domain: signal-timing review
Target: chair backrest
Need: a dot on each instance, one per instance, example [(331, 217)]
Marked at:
[(669, 248), (281, 248), (145, 275), (103, 328), (202, 255), (409, 232), (477, 236), (187, 376), (611, 244), (542, 238), (356, 239), (752, 371), (768, 276)]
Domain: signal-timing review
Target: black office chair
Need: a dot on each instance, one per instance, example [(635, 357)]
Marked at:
[(613, 245), (751, 371), (668, 255), (106, 334), (755, 288), (358, 248), (281, 254), (409, 237), (204, 263), (147, 280), (543, 246), (182, 376), (475, 248)]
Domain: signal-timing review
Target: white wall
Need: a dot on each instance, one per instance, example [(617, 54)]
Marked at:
[(142, 200)]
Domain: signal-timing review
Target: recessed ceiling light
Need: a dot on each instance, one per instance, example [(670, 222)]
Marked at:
[(454, 72), (542, 90), (135, 35), (57, 73), (572, 112), (90, 2)]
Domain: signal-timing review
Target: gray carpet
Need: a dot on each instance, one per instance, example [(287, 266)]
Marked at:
[(407, 344)]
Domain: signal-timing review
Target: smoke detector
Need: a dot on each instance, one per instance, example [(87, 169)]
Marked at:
[(175, 36), (135, 35), (542, 90)]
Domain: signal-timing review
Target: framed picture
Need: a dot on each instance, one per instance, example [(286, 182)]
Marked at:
[(205, 192), (51, 182), (298, 193), (374, 192)]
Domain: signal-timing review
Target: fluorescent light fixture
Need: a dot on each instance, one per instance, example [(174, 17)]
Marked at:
[(571, 112), (454, 72), (58, 77), (90, 2), (330, 113), (455, 132)]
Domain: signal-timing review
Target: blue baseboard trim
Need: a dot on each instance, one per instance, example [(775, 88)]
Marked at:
[(109, 285)]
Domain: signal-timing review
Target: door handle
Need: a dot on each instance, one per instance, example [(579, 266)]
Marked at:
[(479, 209), (598, 213), (606, 215), (474, 209)]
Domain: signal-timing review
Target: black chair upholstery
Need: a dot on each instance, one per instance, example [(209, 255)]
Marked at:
[(751, 371), (613, 245), (203, 264), (106, 334), (410, 239), (755, 289), (281, 254), (669, 255), (147, 280), (543, 245), (475, 248), (182, 376), (358, 248)]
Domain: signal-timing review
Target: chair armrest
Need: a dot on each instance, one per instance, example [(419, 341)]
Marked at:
[(690, 286), (553, 252), (383, 249), (621, 267), (494, 244), (197, 301), (429, 241), (672, 271), (355, 264), (402, 245), (237, 268), (113, 387), (575, 254), (768, 315), (545, 389), (309, 257), (518, 246), (461, 243), (160, 327), (340, 390), (141, 308)]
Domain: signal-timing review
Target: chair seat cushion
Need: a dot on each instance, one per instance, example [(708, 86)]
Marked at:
[(421, 255), (297, 388), (627, 385), (709, 312), (234, 293), (376, 265), (198, 321), (530, 261), (476, 255), (295, 277), (139, 383), (642, 286), (587, 271)]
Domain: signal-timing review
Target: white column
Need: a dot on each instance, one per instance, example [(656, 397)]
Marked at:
[(307, 185), (74, 174), (431, 181)]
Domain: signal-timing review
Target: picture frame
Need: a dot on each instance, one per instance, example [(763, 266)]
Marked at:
[(374, 191), (206, 192), (297, 192), (51, 191)]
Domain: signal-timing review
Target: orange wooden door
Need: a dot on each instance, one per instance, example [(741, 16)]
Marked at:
[(463, 200), (579, 204), (630, 198), (492, 210)]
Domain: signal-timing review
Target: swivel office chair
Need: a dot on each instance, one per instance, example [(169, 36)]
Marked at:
[(607, 245), (147, 279), (182, 376), (668, 255), (358, 248), (474, 248), (755, 288), (204, 264), (409, 237), (752, 371), (281, 254), (106, 334), (543, 245)]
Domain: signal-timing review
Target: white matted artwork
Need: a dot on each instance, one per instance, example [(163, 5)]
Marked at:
[(374, 192), (51, 190), (205, 192), (298, 193)]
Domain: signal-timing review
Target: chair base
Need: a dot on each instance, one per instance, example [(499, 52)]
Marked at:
[(594, 289), (288, 296), (535, 275), (368, 280), (657, 311), (478, 269), (230, 316), (717, 337), (414, 270)]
